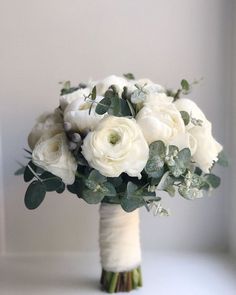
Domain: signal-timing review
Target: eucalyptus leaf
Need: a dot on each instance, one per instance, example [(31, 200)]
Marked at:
[(213, 180), (52, 184), (222, 159), (103, 106), (34, 195), (92, 197), (185, 85), (186, 117), (20, 171), (97, 176), (182, 162), (129, 76), (94, 93), (28, 173)]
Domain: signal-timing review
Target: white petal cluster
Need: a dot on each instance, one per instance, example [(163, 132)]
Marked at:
[(207, 148), (115, 146), (52, 154)]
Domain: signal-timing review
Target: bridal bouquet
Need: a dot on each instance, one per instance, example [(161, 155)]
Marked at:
[(122, 142)]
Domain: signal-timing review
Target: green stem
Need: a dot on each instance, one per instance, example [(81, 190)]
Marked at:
[(113, 282)]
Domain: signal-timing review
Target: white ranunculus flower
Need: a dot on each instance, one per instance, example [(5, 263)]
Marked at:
[(116, 145), (52, 122), (77, 114), (66, 99), (52, 154), (207, 148), (187, 105), (119, 82), (160, 120)]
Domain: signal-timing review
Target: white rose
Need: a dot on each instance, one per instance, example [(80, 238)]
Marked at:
[(117, 145), (77, 114), (46, 122), (160, 120), (52, 154), (66, 99), (207, 148), (145, 89), (119, 82)]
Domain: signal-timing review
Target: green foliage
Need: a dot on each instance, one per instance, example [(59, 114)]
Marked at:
[(181, 162), (114, 105), (94, 93), (185, 116), (222, 159), (34, 195), (185, 86), (103, 106), (129, 76), (155, 164), (212, 180)]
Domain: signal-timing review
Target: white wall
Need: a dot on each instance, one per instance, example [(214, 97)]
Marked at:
[(44, 42)]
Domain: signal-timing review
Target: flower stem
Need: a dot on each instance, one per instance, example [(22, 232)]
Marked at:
[(113, 282)]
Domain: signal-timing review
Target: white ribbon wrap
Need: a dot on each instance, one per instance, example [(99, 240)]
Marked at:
[(119, 238)]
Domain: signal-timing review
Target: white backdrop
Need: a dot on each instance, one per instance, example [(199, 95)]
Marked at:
[(44, 42)]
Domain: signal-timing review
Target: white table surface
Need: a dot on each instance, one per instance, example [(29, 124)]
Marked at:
[(163, 273)]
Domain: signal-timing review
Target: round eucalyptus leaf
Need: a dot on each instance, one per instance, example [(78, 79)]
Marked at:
[(34, 195)]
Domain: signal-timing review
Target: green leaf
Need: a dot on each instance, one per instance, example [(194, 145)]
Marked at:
[(20, 171), (185, 85), (28, 174), (125, 109), (92, 197), (182, 162), (129, 76), (52, 184), (133, 198), (34, 195), (61, 189), (157, 148), (155, 164), (27, 151), (94, 93), (213, 180), (97, 177), (115, 106), (185, 116), (103, 106), (110, 189), (222, 159), (190, 193), (76, 188), (155, 167)]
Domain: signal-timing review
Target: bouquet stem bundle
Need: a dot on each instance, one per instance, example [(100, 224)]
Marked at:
[(113, 282), (119, 249)]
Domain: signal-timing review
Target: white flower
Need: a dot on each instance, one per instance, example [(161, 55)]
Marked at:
[(159, 119), (46, 122), (116, 145), (187, 105), (207, 148), (144, 90), (119, 82), (66, 99), (52, 154), (77, 114)]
